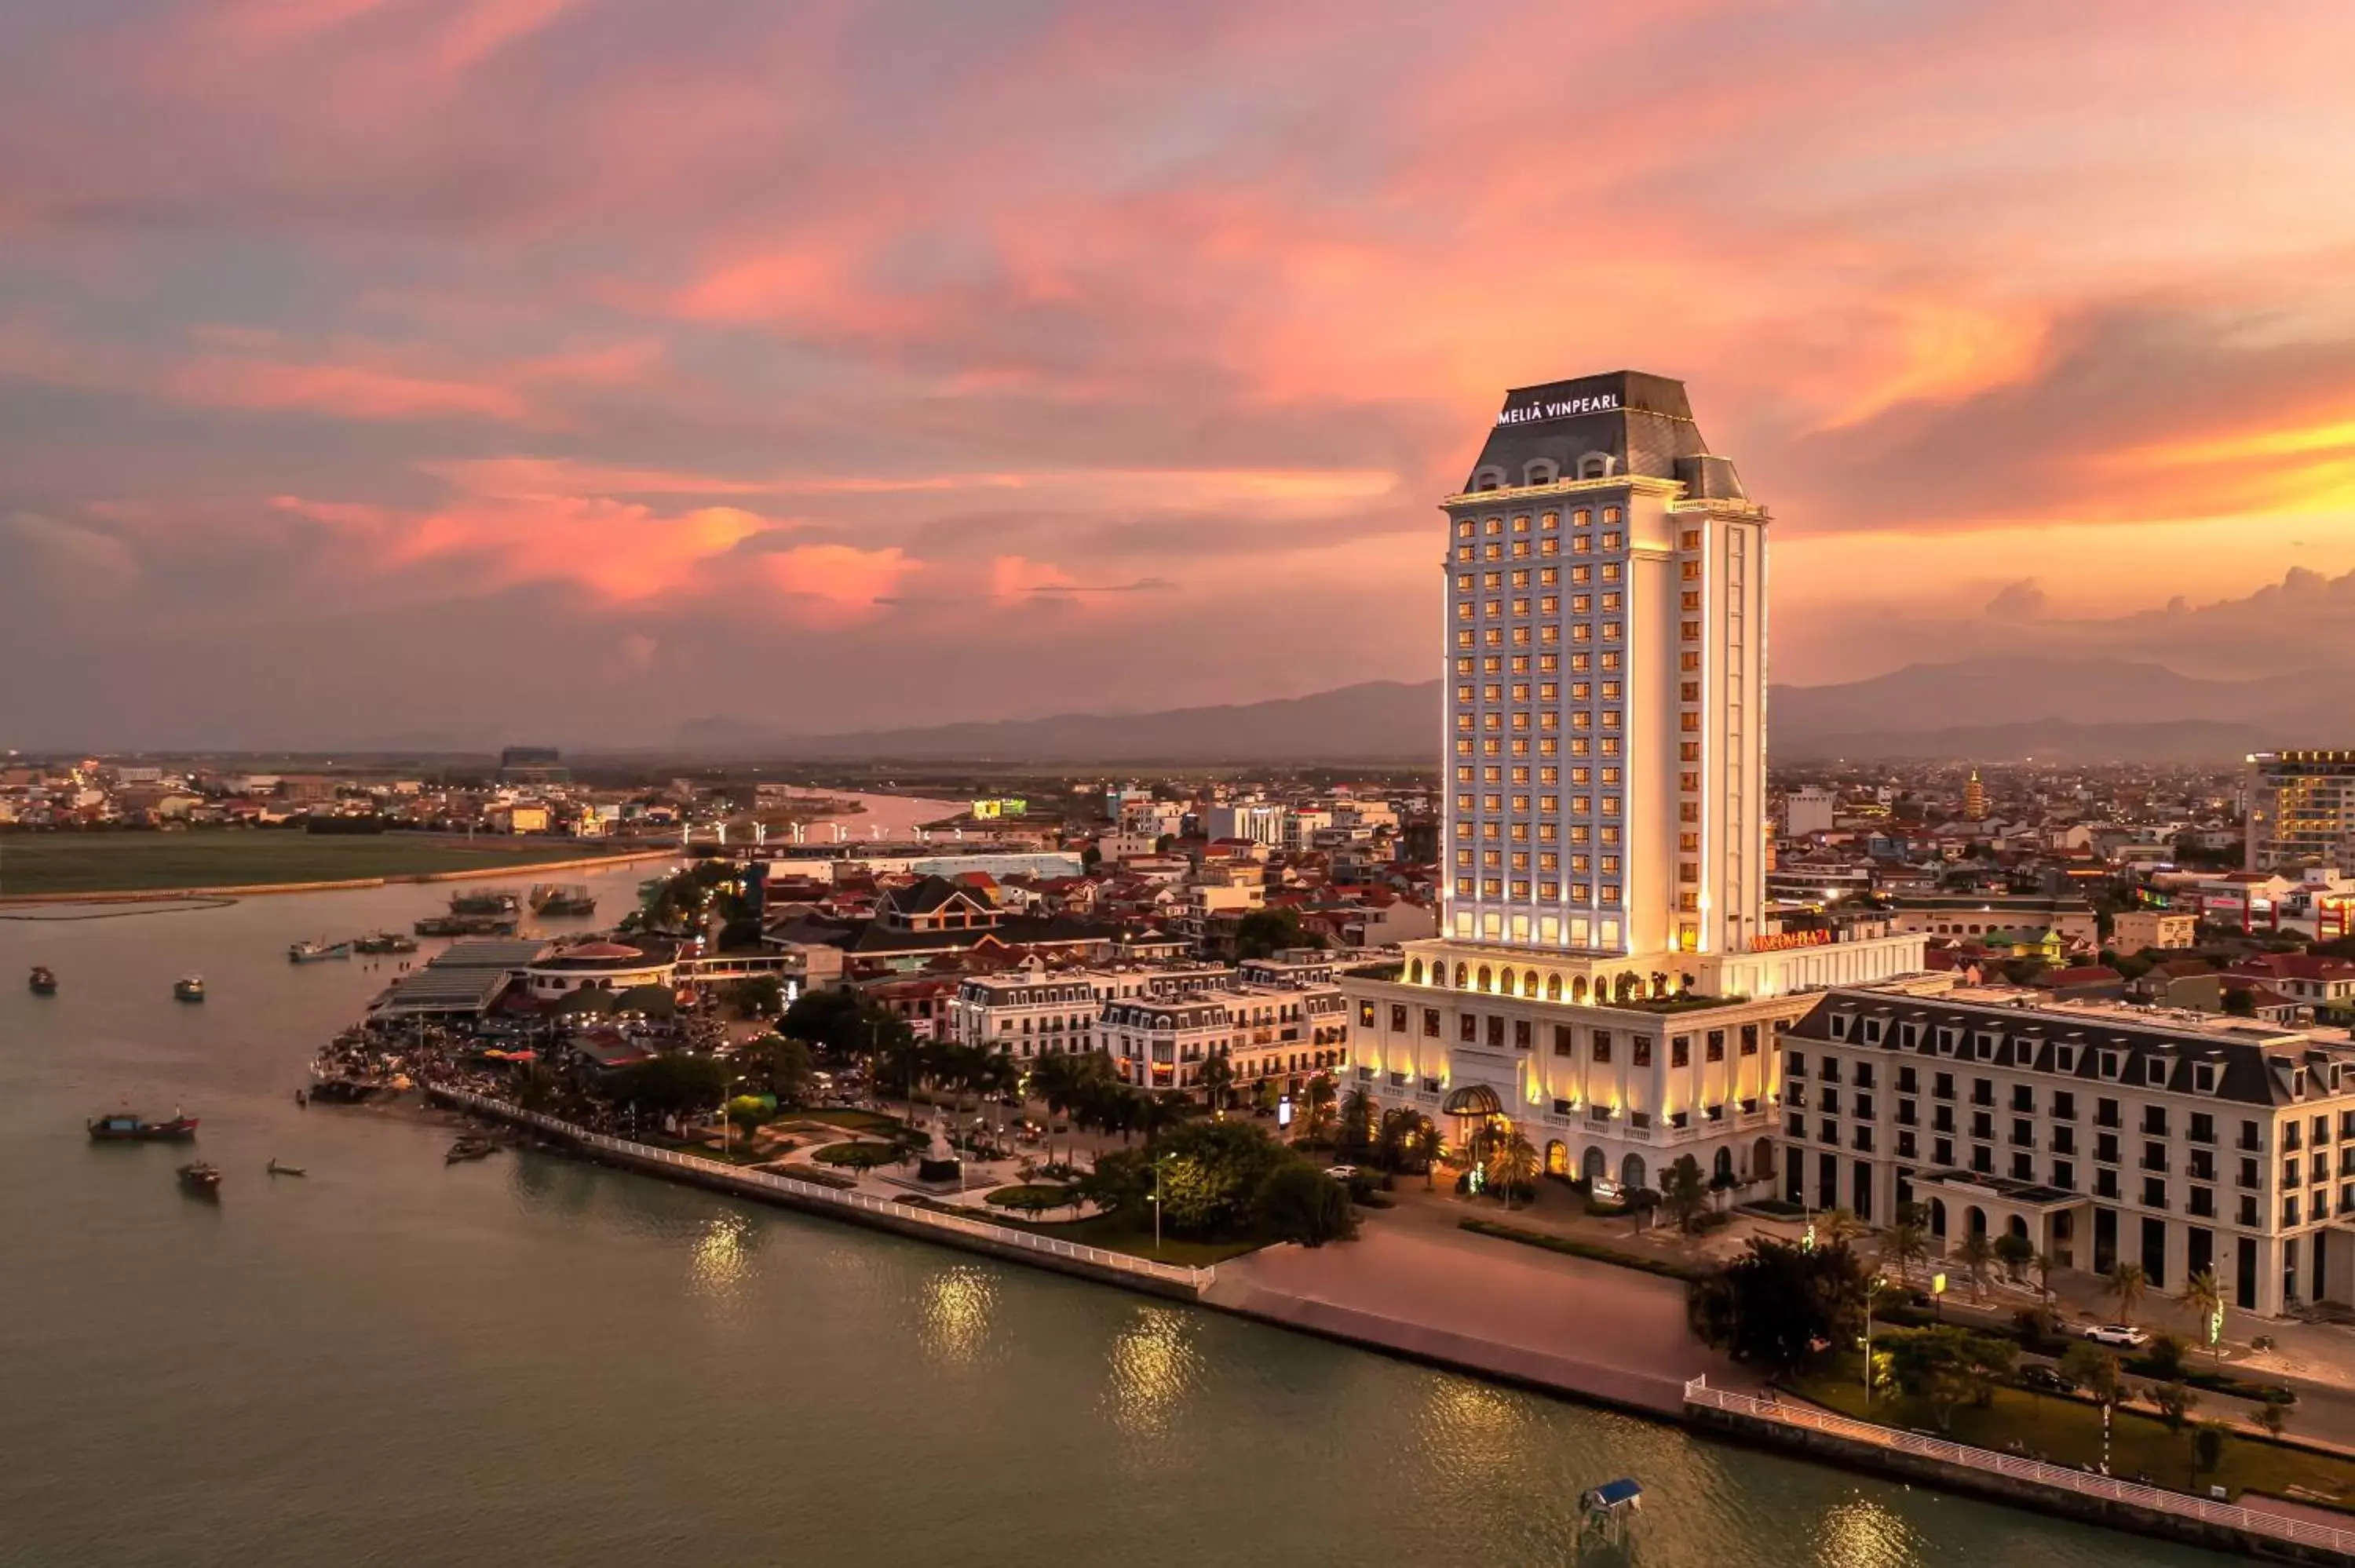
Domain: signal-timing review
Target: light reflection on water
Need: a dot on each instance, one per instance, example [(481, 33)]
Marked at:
[(957, 1307), (1864, 1534), (1151, 1366), (722, 1260)]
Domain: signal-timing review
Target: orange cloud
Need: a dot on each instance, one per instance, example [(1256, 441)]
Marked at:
[(835, 584), (351, 391)]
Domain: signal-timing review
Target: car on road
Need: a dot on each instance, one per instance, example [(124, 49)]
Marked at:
[(1342, 1172), (2122, 1334), (2044, 1380)]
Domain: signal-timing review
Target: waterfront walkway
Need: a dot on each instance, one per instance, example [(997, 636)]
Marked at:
[(1490, 1307)]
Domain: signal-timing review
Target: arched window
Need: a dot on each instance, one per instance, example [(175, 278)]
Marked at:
[(1553, 988), (1595, 1166), (1724, 1169), (1631, 1172), (1487, 980), (1540, 470), (1577, 990), (1489, 479), (1530, 984), (1505, 983), (1460, 980), (1557, 1158), (1414, 972)]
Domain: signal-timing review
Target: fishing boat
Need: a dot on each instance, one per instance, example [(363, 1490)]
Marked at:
[(562, 899), (275, 1168), (128, 1127), (314, 952), (470, 1148), (201, 1178), (44, 981), (487, 901), (189, 988), (385, 942), (467, 926)]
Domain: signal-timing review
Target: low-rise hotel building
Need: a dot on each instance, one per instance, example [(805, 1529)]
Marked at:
[(2101, 1134), (1033, 1010)]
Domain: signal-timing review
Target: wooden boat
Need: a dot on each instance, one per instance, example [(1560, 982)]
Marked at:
[(126, 1127), (275, 1168), (189, 988), (201, 1178), (315, 952), (470, 1148), (44, 981), (385, 942)]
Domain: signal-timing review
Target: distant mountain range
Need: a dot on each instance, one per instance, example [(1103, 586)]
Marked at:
[(1987, 710)]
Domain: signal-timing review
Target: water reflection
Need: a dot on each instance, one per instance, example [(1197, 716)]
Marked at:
[(1862, 1534), (1154, 1365), (721, 1260), (1466, 1426), (958, 1306)]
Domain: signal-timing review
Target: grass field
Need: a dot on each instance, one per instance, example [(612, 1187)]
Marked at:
[(43, 863)]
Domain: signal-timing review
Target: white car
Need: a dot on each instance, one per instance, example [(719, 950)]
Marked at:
[(1341, 1172), (2125, 1334)]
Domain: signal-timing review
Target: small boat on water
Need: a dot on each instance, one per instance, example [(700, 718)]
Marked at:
[(385, 942), (189, 988), (487, 901), (275, 1168), (202, 1179), (44, 981), (564, 900), (315, 952), (467, 926), (470, 1148), (128, 1127)]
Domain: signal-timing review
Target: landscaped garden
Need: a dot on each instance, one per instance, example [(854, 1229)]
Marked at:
[(860, 1156)]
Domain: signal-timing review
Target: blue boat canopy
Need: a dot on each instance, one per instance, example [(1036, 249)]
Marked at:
[(1621, 1493)]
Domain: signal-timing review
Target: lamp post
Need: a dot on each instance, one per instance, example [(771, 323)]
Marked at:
[(1871, 1289)]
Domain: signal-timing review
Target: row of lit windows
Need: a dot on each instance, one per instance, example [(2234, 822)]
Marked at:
[(1550, 604), (1579, 664), (1547, 891), (1547, 720), (1548, 860), (1548, 745), (1580, 632), (1547, 576), (1548, 691), (1584, 517), (1490, 828), (1522, 802)]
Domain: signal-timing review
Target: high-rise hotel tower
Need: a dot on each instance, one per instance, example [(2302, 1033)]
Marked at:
[(1606, 632), (1608, 969)]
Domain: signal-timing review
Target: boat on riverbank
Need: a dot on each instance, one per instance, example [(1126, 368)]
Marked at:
[(189, 988), (470, 1147), (467, 926), (385, 942), (564, 900), (128, 1127), (44, 982), (487, 901), (201, 1178), (317, 952)]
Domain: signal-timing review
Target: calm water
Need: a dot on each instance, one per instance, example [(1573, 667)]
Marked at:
[(529, 1361)]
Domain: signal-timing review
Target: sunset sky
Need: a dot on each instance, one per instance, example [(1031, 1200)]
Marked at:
[(564, 369)]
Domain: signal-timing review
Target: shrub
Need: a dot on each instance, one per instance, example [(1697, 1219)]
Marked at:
[(1296, 1202)]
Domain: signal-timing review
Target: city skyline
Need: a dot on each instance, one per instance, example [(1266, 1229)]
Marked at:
[(540, 366)]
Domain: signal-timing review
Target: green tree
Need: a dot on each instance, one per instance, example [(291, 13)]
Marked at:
[(1902, 1245), (1684, 1192), (1977, 1253), (1774, 1305), (1947, 1365), (1513, 1165), (1297, 1203), (2089, 1367), (2271, 1417), (2015, 1253), (1262, 933), (785, 1061), (2203, 1298), (2241, 1003), (2208, 1441), (673, 1085), (757, 996), (1218, 1081), (1316, 1119), (2174, 1402), (2128, 1284), (1431, 1147), (1357, 1113)]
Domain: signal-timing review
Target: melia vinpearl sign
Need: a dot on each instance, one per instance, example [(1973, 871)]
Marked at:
[(1562, 409)]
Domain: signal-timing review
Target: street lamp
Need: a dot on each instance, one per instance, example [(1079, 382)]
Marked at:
[(1871, 1289)]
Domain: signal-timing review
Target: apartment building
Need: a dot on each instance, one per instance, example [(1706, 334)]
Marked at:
[(1032, 1011), (1285, 1033), (2101, 1134)]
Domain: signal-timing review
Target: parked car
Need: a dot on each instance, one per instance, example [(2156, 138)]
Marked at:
[(1342, 1172), (2044, 1380), (2122, 1334)]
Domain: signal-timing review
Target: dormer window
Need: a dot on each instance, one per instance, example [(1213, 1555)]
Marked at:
[(2064, 1059), (1596, 465), (1946, 1042), (2155, 1071), (1839, 1025), (2109, 1064), (2203, 1077), (1538, 471)]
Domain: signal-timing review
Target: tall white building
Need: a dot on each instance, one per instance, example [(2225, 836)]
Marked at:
[(1605, 836)]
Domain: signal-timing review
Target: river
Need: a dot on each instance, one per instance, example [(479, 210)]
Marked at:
[(528, 1360)]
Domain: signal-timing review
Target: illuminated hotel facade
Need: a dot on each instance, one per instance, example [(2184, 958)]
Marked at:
[(1605, 971)]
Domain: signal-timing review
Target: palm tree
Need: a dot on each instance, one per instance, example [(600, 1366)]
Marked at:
[(1836, 1226), (1320, 1095), (1978, 1252), (1902, 1245), (1358, 1111), (1512, 1161), (2045, 1265), (2203, 1297), (2128, 1283), (1430, 1146)]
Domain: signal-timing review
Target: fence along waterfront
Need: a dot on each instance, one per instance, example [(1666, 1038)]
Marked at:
[(1195, 1279), (2134, 1494)]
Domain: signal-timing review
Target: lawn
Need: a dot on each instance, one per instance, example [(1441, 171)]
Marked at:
[(859, 1156), (2069, 1431), (853, 1120), (35, 864)]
